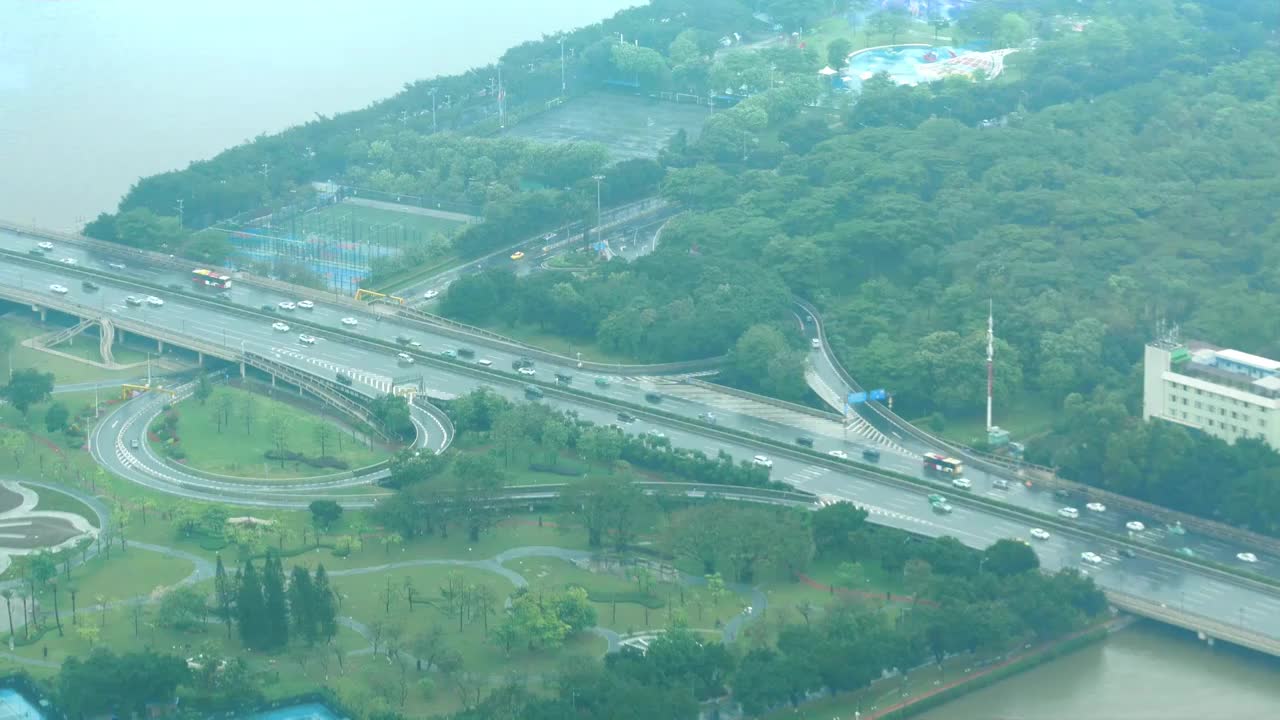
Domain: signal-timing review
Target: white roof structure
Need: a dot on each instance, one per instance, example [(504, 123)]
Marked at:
[(1253, 361), (1270, 383)]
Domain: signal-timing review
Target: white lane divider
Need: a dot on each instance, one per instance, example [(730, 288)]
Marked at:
[(381, 383)]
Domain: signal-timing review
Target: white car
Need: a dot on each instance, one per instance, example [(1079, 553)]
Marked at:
[(405, 358), (815, 344), (962, 483), (838, 454), (68, 261), (1039, 533), (286, 305), (154, 301), (60, 289), (1135, 526), (530, 372), (431, 295), (45, 245), (1097, 507), (350, 321), (306, 339), (279, 326), (762, 461), (1091, 558), (133, 300), (1069, 512), (116, 265), (656, 433), (306, 305), (1247, 557)]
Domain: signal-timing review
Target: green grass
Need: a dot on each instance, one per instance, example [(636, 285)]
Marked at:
[(86, 348), (591, 352), (126, 575), (238, 449), (53, 501), (1026, 417), (552, 574), (335, 215), (65, 370)]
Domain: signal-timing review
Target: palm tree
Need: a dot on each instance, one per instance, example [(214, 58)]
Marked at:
[(57, 619), (26, 626), (72, 589), (7, 594)]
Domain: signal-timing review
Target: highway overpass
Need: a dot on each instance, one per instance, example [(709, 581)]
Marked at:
[(234, 327)]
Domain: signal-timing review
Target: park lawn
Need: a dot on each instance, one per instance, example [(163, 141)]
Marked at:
[(233, 451), (626, 618), (133, 573), (86, 348), (52, 501), (1026, 417), (65, 370)]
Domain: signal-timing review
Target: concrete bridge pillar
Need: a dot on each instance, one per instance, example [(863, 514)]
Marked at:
[(273, 379), (200, 359), (44, 314), (119, 336), (241, 369), (159, 347)]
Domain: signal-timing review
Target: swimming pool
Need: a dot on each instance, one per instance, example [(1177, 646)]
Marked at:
[(13, 706), (915, 64), (308, 711)]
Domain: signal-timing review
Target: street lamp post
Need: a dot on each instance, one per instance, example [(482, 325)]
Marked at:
[(433, 109), (599, 179), (562, 83)]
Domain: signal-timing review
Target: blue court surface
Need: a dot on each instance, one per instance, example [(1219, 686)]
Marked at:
[(310, 711), (15, 707)]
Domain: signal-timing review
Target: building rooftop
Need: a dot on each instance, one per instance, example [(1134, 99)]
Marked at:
[(1270, 383), (1254, 361)]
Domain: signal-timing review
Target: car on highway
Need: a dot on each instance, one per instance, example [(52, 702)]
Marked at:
[(89, 286), (871, 454), (517, 255), (941, 508), (815, 343), (656, 433), (1186, 552), (306, 305), (46, 246), (306, 339), (404, 358), (1000, 484), (602, 382), (116, 265), (962, 483), (279, 326), (133, 300), (403, 339), (1039, 533), (466, 352), (563, 379), (68, 261), (804, 441), (762, 461), (1247, 557), (485, 362), (286, 305), (59, 289), (1068, 512), (653, 397), (1127, 553), (521, 362), (838, 454), (154, 301), (626, 417), (548, 236), (431, 295), (936, 498), (532, 391), (1096, 507), (707, 417), (1134, 526), (526, 371), (133, 444), (350, 321), (1091, 557)]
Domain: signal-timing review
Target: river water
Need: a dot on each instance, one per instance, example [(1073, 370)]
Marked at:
[(1146, 672), (97, 93)]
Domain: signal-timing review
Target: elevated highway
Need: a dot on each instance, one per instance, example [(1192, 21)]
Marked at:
[(236, 329)]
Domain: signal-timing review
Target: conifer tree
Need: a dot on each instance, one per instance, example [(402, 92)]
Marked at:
[(276, 605), (250, 609), (325, 606), (302, 605), (224, 593)]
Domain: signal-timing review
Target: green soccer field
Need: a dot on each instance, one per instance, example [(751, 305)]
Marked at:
[(369, 222)]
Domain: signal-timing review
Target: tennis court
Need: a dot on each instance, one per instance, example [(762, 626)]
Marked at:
[(15, 707)]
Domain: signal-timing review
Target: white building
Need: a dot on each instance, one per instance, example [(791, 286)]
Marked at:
[(1225, 393)]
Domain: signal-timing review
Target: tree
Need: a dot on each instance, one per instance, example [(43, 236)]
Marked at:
[(838, 53), (7, 594), (916, 576), (322, 432), (325, 607), (251, 609), (1010, 557), (182, 609), (103, 682), (325, 513), (302, 605), (222, 410), (27, 387), (275, 602), (834, 527), (574, 609), (204, 388), (223, 592), (55, 418), (278, 429)]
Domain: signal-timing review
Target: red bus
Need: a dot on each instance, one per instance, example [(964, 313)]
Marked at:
[(209, 278), (942, 464)]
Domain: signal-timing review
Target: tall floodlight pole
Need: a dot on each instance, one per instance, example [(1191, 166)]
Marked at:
[(599, 179), (562, 83), (433, 109), (502, 112), (180, 213), (991, 356)]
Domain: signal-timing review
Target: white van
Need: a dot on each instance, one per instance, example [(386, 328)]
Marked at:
[(815, 343), (486, 362)]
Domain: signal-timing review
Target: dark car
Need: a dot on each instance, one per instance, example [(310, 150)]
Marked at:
[(1126, 552), (653, 397), (564, 379), (466, 352), (804, 441), (533, 391), (871, 454), (523, 362), (626, 417), (89, 285)]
